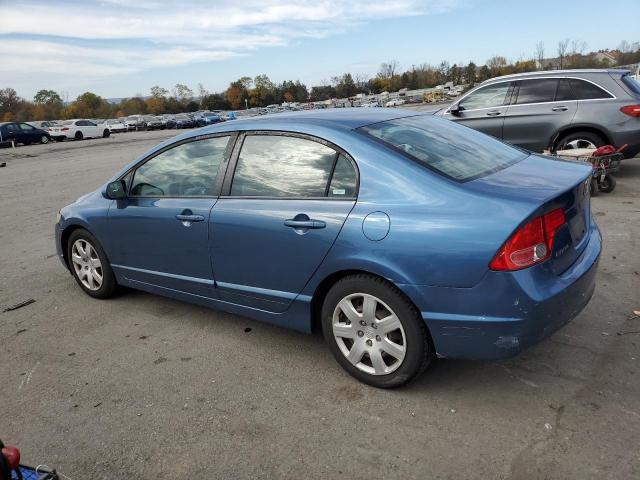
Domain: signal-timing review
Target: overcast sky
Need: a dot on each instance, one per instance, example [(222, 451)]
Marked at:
[(118, 48)]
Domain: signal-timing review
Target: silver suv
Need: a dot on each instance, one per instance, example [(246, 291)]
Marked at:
[(555, 109)]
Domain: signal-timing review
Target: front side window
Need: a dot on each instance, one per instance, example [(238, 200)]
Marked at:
[(455, 151), (537, 91), (187, 170), (486, 97), (282, 166)]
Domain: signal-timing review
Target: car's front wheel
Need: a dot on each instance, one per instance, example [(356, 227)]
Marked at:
[(89, 265), (375, 332)]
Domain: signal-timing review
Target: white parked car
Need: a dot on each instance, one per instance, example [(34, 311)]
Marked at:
[(114, 125), (394, 102), (78, 129)]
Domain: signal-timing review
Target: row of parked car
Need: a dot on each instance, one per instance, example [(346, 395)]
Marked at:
[(27, 133)]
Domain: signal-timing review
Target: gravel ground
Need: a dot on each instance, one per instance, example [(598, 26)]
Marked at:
[(146, 387)]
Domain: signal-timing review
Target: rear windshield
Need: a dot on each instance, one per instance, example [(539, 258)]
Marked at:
[(632, 83), (455, 151)]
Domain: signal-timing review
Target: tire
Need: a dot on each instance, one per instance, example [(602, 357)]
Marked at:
[(385, 354), (44, 139), (78, 136), (593, 187), (579, 140), (607, 185), (86, 259), (106, 133)]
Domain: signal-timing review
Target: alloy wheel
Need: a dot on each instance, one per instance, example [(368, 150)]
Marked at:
[(86, 264), (369, 334), (578, 143)]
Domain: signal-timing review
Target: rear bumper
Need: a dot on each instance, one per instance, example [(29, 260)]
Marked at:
[(631, 138), (507, 312)]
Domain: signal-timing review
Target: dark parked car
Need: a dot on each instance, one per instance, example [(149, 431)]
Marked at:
[(153, 123), (555, 109), (404, 236), (184, 121), (207, 118), (22, 133)]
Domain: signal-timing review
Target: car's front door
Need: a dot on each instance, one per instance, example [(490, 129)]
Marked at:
[(278, 217), (539, 108), (159, 232), (483, 109), (29, 133)]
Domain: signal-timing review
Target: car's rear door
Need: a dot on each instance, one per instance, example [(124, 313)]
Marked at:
[(483, 109), (539, 108), (284, 201), (159, 232)]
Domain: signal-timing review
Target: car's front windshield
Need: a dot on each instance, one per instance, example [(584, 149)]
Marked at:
[(455, 151)]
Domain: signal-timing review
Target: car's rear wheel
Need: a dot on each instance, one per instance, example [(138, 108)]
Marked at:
[(78, 136), (575, 140), (44, 139), (374, 332), (106, 133), (89, 265)]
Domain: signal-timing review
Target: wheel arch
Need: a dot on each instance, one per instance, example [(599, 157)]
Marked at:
[(574, 128), (328, 281), (64, 239)]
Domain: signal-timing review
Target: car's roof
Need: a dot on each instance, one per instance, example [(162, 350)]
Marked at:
[(344, 118), (553, 73)]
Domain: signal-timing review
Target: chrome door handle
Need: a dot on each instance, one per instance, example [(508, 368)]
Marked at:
[(494, 113), (560, 109), (305, 223), (190, 218)]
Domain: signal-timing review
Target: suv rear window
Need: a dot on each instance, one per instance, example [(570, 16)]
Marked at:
[(452, 150), (632, 83)]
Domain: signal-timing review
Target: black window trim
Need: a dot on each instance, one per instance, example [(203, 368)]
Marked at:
[(228, 180), (233, 136), (518, 82)]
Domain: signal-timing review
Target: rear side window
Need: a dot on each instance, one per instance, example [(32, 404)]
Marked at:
[(284, 166), (632, 83), (343, 182), (187, 170), (452, 150), (537, 91), (584, 90)]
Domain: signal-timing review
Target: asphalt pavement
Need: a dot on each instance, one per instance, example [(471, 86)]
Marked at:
[(146, 387)]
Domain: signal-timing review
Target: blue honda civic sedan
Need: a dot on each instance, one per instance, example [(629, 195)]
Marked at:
[(402, 235)]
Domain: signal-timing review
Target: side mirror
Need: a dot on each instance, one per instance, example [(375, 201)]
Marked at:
[(116, 190), (455, 109)]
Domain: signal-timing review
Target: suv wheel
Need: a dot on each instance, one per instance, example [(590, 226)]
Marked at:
[(579, 140), (374, 332)]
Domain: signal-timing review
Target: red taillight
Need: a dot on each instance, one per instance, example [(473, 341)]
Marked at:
[(64, 129), (631, 110), (530, 244)]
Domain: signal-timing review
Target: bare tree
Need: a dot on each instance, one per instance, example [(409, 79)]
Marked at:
[(625, 49), (540, 54), (577, 49), (202, 92), (389, 70), (562, 50)]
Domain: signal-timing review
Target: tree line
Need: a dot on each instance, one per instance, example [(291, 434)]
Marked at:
[(261, 91)]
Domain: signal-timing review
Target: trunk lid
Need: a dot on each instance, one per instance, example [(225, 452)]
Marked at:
[(544, 184)]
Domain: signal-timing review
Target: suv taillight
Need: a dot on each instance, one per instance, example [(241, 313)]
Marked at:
[(631, 110), (530, 244)]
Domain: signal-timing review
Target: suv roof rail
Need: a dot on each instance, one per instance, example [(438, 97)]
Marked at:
[(558, 72)]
